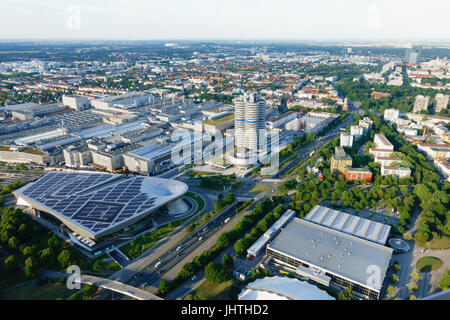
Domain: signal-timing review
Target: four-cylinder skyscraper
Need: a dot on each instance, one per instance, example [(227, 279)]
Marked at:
[(249, 122)]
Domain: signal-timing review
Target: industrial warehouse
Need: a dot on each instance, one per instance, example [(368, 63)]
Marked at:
[(335, 249), (95, 207)]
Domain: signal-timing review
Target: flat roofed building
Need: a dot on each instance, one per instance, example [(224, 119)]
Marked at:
[(441, 102), (339, 162), (434, 150), (77, 156), (260, 244), (330, 256), (444, 167), (399, 172), (387, 161), (148, 159), (421, 103), (380, 152), (281, 120), (382, 142), (346, 140), (351, 174), (356, 131), (348, 223), (391, 114), (78, 103), (23, 155)]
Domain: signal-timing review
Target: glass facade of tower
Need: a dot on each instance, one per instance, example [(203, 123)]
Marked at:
[(250, 122)]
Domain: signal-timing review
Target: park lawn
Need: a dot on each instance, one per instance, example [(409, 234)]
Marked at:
[(439, 243), (198, 199), (214, 291), (113, 266), (48, 292), (148, 239), (260, 188), (427, 264), (9, 279), (198, 173)]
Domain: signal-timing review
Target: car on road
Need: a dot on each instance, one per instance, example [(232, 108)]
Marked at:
[(157, 264), (144, 284), (226, 220), (200, 239), (194, 277), (178, 248)]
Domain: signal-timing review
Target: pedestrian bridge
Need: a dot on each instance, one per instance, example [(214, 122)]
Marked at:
[(119, 287)]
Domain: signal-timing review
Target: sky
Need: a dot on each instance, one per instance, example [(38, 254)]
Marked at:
[(225, 19)]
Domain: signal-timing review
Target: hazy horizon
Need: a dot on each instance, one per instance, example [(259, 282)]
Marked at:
[(230, 20)]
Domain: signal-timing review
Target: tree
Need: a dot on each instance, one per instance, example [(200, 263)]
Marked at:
[(89, 290), (421, 237), (29, 268), (444, 283), (11, 263), (65, 258), (416, 276), (216, 273), (240, 247), (191, 227), (14, 243), (187, 270), (223, 241), (391, 290), (99, 265), (164, 286), (394, 278), (46, 256), (227, 262), (413, 286), (347, 294)]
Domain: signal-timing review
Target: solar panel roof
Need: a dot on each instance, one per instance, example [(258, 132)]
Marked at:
[(98, 202)]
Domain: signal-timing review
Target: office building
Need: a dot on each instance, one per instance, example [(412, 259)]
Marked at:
[(399, 172), (77, 103), (441, 102), (356, 132), (421, 103), (346, 140), (339, 161), (249, 122), (412, 55), (391, 114), (382, 142)]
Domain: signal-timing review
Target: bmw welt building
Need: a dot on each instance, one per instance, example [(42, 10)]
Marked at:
[(96, 207)]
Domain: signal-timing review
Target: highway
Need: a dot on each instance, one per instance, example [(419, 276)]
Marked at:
[(153, 272), (314, 146)]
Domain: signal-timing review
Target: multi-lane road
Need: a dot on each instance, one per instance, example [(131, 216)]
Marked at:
[(168, 260), (313, 146)]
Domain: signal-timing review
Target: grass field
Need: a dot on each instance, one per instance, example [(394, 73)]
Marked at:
[(441, 243), (260, 188), (427, 264), (214, 291), (198, 199), (147, 240), (34, 291)]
